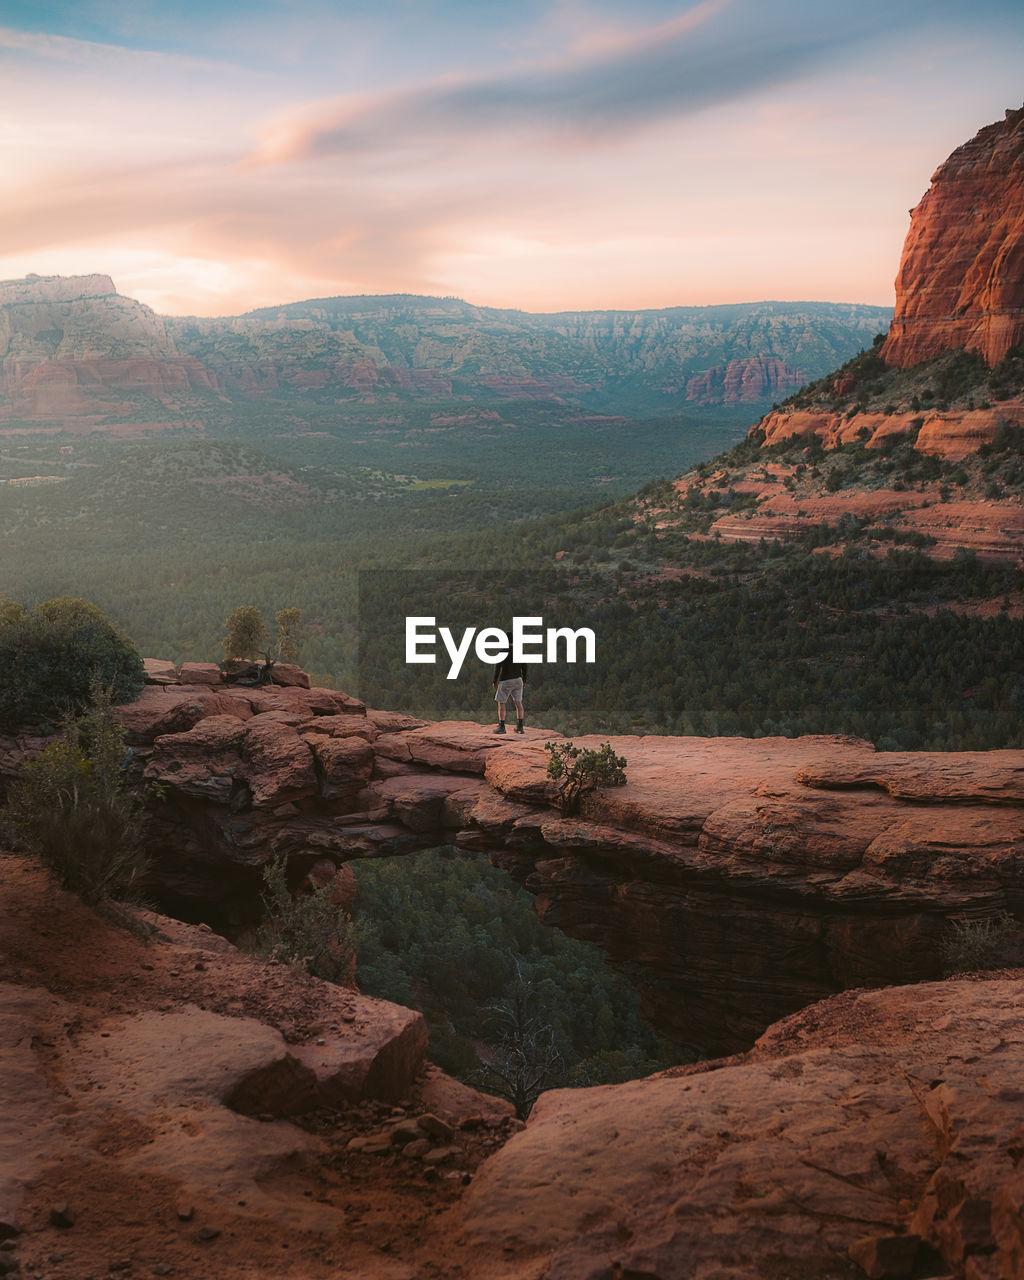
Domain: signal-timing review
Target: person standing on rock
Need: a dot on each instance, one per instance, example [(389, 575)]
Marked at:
[(509, 682)]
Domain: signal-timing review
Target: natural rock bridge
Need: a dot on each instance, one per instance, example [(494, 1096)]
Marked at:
[(738, 879)]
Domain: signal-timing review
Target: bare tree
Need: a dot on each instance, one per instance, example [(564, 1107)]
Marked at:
[(527, 1059)]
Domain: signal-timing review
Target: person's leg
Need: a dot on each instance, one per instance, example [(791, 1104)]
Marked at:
[(501, 718), (519, 715)]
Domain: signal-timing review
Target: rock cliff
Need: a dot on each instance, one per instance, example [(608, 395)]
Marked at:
[(738, 880), (73, 350), (961, 277), (947, 376)]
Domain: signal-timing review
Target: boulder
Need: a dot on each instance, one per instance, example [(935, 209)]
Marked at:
[(200, 673), (343, 764), (279, 764), (378, 1062), (160, 672), (204, 761), (877, 1126), (289, 675), (174, 709)]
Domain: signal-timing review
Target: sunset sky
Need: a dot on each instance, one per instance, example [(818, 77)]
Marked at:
[(545, 154)]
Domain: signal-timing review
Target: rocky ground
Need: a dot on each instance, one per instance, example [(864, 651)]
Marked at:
[(157, 1119), (877, 1133), (738, 879), (153, 1127), (174, 1107)]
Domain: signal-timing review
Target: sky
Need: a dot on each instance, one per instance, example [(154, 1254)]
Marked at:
[(543, 154)]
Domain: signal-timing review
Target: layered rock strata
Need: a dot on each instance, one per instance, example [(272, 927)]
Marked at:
[(961, 277), (72, 349), (944, 433), (738, 880)]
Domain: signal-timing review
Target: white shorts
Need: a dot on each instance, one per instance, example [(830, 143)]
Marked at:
[(509, 689)]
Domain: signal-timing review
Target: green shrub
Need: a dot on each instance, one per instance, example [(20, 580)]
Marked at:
[(52, 656), (246, 633), (75, 810), (977, 944), (307, 930), (577, 770)]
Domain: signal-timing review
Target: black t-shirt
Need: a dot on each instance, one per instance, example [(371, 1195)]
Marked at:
[(506, 669)]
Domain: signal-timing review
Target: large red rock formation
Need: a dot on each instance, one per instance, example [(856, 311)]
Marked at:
[(745, 381), (961, 278)]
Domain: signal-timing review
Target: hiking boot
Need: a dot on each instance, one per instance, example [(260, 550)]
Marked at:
[(501, 727), (519, 727)]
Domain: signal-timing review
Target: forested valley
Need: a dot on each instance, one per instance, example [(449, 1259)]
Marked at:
[(694, 635)]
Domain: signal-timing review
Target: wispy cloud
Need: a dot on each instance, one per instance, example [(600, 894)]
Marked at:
[(613, 83), (592, 155), (67, 49)]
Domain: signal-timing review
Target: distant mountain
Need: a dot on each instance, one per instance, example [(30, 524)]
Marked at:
[(746, 353), (74, 354)]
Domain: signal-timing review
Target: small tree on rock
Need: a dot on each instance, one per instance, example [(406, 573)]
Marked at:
[(247, 639), (246, 634), (288, 621), (577, 770)]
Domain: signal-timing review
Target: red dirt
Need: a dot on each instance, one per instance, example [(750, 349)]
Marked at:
[(395, 1211)]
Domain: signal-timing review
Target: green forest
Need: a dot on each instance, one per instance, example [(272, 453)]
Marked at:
[(756, 646), (447, 933)]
